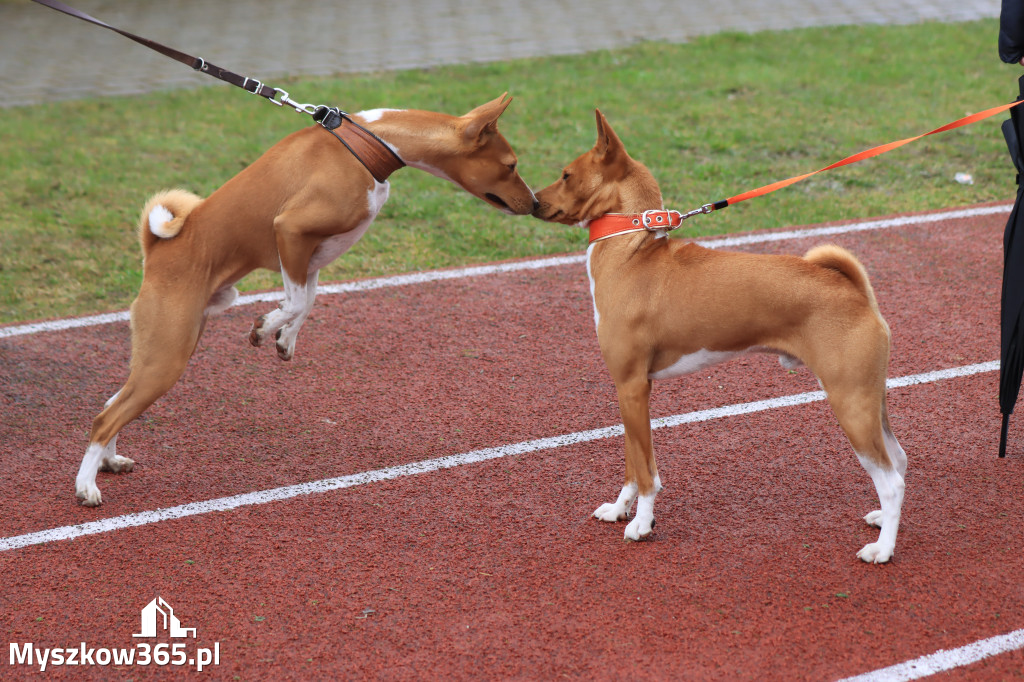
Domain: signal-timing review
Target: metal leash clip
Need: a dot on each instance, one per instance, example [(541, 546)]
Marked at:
[(297, 106), (706, 208)]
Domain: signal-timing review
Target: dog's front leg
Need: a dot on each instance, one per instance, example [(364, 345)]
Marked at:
[(286, 321), (287, 334), (642, 480), (619, 509)]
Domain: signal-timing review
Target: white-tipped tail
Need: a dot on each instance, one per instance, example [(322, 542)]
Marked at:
[(164, 214), (159, 216)]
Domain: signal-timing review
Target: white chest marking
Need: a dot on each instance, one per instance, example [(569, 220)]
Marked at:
[(590, 276), (694, 362), (332, 247)]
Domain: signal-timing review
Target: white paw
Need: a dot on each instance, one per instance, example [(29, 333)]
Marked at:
[(874, 518), (89, 495), (117, 464), (611, 512), (875, 553), (639, 528)]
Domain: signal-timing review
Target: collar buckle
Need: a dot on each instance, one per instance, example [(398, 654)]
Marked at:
[(661, 220)]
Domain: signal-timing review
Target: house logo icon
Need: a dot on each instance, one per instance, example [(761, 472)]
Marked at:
[(169, 622)]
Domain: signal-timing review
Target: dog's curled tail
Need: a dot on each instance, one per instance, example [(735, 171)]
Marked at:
[(164, 214), (837, 258)]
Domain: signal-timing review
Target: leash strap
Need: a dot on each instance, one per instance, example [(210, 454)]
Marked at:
[(197, 63), (375, 154), (614, 224), (866, 154)]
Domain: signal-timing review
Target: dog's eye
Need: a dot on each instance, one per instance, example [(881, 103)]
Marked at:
[(512, 166), (565, 175)]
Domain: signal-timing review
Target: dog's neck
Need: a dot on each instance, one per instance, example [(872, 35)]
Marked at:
[(422, 139), (631, 194), (633, 190)]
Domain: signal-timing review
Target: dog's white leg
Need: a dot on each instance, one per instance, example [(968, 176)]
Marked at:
[(642, 525), (641, 471), (99, 458), (898, 457), (114, 462), (889, 485), (619, 509), (111, 460), (289, 332), (85, 482), (896, 452), (293, 305)]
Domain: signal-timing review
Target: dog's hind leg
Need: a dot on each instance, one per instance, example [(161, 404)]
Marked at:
[(862, 414), (899, 460), (890, 487), (164, 334)]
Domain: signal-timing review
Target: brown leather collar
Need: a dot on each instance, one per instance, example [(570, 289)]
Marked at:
[(613, 224), (371, 151)]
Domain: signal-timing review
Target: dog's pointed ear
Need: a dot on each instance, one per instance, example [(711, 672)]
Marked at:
[(484, 119), (608, 147)]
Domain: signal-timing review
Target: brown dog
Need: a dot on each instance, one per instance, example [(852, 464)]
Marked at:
[(306, 201), (665, 307)]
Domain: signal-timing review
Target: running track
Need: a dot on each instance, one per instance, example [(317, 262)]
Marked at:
[(409, 497)]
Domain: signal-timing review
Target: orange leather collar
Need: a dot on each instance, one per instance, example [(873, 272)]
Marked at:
[(613, 224)]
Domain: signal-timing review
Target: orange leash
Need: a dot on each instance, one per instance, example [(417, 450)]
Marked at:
[(867, 154)]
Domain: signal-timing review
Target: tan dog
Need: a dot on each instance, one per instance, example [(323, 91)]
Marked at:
[(667, 307), (306, 201)]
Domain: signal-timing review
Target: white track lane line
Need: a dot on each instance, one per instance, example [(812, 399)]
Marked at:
[(483, 270), (429, 465), (943, 660)]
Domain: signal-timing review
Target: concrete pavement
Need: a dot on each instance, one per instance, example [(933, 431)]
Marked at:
[(45, 55)]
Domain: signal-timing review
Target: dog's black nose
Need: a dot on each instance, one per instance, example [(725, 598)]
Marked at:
[(536, 205)]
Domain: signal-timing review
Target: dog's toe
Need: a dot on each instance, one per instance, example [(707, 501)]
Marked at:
[(89, 496), (874, 553), (117, 464), (874, 518), (638, 529), (610, 512)]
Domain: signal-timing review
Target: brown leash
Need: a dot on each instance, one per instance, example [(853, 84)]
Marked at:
[(375, 154)]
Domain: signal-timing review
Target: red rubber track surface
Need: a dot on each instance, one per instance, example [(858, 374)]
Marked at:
[(496, 570)]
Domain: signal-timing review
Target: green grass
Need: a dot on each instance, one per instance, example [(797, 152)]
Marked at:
[(711, 118)]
